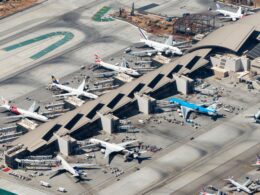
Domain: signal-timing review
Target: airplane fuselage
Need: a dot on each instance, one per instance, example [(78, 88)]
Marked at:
[(239, 186), (193, 107), (233, 16), (104, 144), (18, 111), (75, 91), (160, 47), (125, 70)]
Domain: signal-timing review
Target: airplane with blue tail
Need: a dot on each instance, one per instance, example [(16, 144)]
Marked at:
[(187, 107)]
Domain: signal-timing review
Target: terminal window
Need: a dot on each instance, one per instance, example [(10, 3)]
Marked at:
[(93, 112), (192, 62), (136, 89), (116, 99), (49, 134), (174, 70), (73, 121), (156, 80)]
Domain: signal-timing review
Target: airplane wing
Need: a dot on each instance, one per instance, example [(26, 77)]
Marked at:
[(247, 183), (65, 94), (56, 171), (185, 111), (108, 152), (111, 150), (15, 116), (82, 165), (144, 52), (124, 144), (82, 85), (32, 107)]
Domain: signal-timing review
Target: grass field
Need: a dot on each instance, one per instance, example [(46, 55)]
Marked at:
[(99, 16)]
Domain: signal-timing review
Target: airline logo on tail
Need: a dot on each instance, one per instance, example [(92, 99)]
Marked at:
[(98, 59), (54, 80)]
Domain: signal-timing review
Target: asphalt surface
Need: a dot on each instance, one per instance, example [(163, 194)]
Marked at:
[(219, 149)]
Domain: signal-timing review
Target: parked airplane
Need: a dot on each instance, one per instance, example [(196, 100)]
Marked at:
[(72, 91), (73, 169), (240, 187), (122, 68), (166, 47), (230, 15), (256, 117), (187, 107), (110, 148), (21, 113)]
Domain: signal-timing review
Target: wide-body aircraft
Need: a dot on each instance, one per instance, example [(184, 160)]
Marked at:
[(122, 68), (72, 91), (73, 169), (240, 187), (21, 113), (187, 107), (166, 47), (230, 15), (110, 148)]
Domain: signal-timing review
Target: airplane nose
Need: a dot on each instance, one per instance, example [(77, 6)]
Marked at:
[(180, 52)]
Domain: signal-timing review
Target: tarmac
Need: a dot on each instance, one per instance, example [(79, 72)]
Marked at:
[(190, 158)]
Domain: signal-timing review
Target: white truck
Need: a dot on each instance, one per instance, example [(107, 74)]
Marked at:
[(45, 184)]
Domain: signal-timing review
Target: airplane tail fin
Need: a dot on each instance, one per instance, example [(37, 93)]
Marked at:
[(239, 11), (124, 63), (169, 41), (82, 85), (143, 34), (218, 6), (97, 59), (212, 107), (54, 80)]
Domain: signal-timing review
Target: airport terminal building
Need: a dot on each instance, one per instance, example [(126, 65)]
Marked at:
[(85, 121)]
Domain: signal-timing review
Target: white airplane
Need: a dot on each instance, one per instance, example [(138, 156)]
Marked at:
[(230, 15), (72, 91), (110, 148), (73, 169), (256, 117), (240, 187), (122, 68), (166, 47), (21, 113)]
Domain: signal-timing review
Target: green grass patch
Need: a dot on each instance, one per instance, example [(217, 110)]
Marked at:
[(98, 17)]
